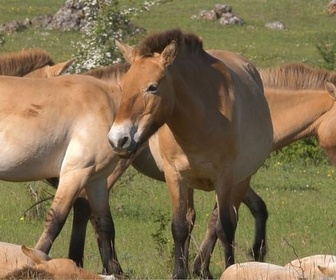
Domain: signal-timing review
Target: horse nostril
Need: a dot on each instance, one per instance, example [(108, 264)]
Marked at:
[(122, 142)]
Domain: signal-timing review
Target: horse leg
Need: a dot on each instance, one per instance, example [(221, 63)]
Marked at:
[(66, 193), (98, 196), (258, 209), (228, 201), (182, 224), (81, 216), (259, 212), (82, 213), (202, 261)]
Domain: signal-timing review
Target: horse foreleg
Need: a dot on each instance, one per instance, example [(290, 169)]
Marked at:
[(182, 224), (98, 196), (259, 211), (82, 213), (65, 195)]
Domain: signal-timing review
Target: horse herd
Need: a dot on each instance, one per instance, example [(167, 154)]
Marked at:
[(194, 118)]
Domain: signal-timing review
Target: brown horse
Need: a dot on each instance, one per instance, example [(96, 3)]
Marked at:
[(193, 100), (21, 262), (57, 128), (12, 258), (144, 163), (35, 63)]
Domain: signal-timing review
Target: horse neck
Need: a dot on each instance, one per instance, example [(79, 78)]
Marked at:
[(112, 80), (296, 113), (190, 109)]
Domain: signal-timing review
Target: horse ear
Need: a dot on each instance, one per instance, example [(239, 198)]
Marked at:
[(326, 271), (32, 254), (60, 68), (126, 51), (331, 88), (169, 53)]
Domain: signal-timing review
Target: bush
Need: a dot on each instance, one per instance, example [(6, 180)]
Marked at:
[(304, 152), (106, 22), (326, 47)]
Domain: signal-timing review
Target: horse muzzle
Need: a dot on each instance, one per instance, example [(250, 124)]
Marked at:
[(122, 142)]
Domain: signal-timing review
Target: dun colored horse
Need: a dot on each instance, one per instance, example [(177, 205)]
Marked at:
[(57, 128), (12, 258), (193, 100), (21, 262), (35, 63), (144, 163)]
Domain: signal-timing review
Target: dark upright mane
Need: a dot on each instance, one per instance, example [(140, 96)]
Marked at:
[(157, 42), (296, 76), (21, 63), (110, 73)]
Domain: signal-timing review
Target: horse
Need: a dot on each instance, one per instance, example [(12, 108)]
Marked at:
[(21, 262), (193, 100), (12, 258), (145, 164), (311, 267), (36, 63), (57, 128), (315, 267), (260, 270)]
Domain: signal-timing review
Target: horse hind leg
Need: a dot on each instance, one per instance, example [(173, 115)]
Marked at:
[(258, 209), (202, 261), (229, 199), (81, 217)]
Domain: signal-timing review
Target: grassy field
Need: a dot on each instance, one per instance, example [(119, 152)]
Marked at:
[(300, 198)]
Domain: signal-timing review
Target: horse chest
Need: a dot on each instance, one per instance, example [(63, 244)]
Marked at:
[(196, 173)]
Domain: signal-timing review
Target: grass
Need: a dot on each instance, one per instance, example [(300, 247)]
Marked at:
[(305, 22), (300, 197)]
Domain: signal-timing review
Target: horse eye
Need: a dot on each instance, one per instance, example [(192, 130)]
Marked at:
[(152, 88)]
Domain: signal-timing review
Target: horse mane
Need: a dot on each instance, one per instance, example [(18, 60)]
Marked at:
[(24, 62), (296, 76), (155, 43), (110, 73), (28, 273)]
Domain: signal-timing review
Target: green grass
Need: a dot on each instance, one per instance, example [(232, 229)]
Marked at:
[(305, 22), (300, 198)]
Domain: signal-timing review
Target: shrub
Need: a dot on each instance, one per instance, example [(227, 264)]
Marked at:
[(304, 152), (326, 48), (106, 22)]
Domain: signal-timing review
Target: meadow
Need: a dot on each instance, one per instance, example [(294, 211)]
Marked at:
[(299, 193)]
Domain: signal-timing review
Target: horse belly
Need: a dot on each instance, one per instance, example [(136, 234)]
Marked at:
[(21, 171), (27, 163)]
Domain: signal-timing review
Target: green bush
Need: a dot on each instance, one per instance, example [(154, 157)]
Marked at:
[(326, 48), (303, 152), (105, 24)]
